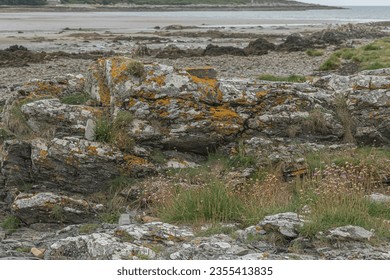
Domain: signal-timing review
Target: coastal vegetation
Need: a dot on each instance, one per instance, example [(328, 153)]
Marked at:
[(334, 184), (290, 79), (375, 55)]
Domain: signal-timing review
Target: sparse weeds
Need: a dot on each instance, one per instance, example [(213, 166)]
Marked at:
[(372, 56), (315, 123), (345, 118), (289, 79), (88, 228), (115, 132), (135, 68), (17, 122), (335, 192), (10, 224), (332, 63), (75, 99), (314, 52), (58, 213)]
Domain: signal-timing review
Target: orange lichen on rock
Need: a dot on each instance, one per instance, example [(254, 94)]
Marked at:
[(159, 80), (119, 69), (43, 154), (163, 102), (223, 114), (260, 94), (45, 88), (92, 150), (209, 87), (132, 160)]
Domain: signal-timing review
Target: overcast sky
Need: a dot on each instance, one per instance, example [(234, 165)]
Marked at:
[(350, 2)]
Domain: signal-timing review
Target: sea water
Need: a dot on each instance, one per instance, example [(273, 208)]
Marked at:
[(126, 21)]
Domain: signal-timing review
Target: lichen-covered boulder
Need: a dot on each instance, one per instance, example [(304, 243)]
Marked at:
[(191, 110), (351, 233), (284, 223), (70, 164), (96, 246), (51, 208), (58, 119)]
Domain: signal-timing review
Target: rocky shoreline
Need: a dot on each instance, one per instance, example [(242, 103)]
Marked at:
[(87, 156)]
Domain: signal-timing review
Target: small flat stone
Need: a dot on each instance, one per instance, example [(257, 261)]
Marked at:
[(124, 219), (39, 253)]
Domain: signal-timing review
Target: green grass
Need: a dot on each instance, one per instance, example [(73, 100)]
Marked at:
[(88, 228), (335, 191), (211, 203), (103, 130), (373, 56), (115, 132), (75, 99), (314, 52), (331, 63), (289, 79), (10, 224), (346, 210)]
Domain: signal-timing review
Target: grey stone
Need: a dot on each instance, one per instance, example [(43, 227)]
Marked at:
[(90, 130), (51, 208), (97, 246), (124, 219), (379, 198), (350, 233), (284, 223)]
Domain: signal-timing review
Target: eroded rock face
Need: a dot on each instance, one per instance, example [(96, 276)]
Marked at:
[(351, 233), (194, 112), (61, 119), (96, 246), (284, 223), (51, 208), (70, 164)]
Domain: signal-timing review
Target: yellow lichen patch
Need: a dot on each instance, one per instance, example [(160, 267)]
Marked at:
[(45, 88), (132, 160), (92, 150), (280, 100), (209, 87), (163, 102), (159, 80), (221, 113), (119, 71), (132, 102), (43, 154), (103, 90), (199, 116), (260, 94)]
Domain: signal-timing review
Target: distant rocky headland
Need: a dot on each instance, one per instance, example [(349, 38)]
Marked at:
[(55, 6)]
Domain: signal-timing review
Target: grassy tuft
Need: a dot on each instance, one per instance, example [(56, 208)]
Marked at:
[(331, 63), (289, 79), (115, 132), (314, 52), (211, 203), (135, 68), (372, 56), (88, 228), (10, 224), (75, 99)]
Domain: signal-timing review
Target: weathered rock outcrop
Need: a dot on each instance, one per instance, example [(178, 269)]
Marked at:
[(164, 241), (52, 208), (197, 114)]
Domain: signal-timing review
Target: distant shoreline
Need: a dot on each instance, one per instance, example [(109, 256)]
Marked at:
[(159, 8)]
